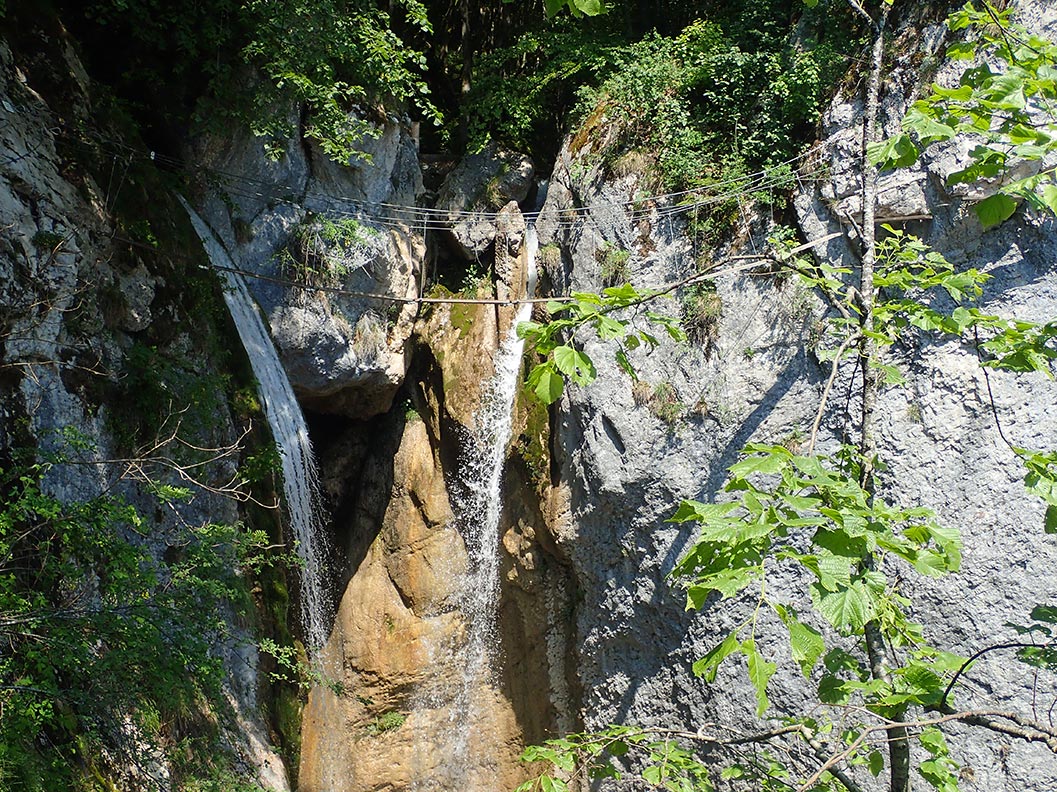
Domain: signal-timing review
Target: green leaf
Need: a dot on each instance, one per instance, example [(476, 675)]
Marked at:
[(895, 152), (832, 690), (927, 128), (549, 784), (727, 582), (1008, 91), (1030, 151), (924, 683), (546, 383), (832, 571), (1045, 613), (806, 644), (586, 299), (963, 93), (588, 7), (844, 543), (1048, 195), (1039, 656), (875, 762), (995, 210), (771, 460), (609, 328), (575, 365), (552, 7), (625, 364), (892, 374), (847, 609), (962, 50), (760, 673), (1049, 524), (702, 512), (930, 564), (708, 665), (623, 293), (529, 330), (932, 740)]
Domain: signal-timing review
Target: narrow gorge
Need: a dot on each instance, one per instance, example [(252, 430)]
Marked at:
[(508, 375)]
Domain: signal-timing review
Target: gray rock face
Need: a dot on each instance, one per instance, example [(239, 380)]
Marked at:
[(71, 304), (482, 182), (334, 230), (624, 469)]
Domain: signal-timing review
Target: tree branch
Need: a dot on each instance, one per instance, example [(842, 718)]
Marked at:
[(942, 706), (826, 391)]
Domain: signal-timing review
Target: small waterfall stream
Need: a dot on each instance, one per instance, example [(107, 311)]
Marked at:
[(287, 422), (477, 514)]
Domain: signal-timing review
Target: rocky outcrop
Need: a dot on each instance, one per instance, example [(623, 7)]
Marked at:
[(482, 183), (333, 262), (396, 647), (387, 650), (626, 462)]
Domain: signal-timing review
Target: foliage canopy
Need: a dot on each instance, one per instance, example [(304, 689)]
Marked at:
[(105, 645)]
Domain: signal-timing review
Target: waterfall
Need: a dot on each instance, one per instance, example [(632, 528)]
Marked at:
[(478, 508), (290, 432)]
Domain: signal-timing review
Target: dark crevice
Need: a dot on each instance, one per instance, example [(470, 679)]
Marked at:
[(613, 434)]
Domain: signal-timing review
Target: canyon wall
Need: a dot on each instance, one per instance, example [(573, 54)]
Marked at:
[(630, 451), (591, 628), (111, 321)]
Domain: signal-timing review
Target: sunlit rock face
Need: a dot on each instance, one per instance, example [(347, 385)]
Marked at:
[(624, 466), (388, 646), (475, 190), (412, 714), (324, 237)]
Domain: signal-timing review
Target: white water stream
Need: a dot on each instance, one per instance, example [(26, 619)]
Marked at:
[(300, 477), (477, 509)]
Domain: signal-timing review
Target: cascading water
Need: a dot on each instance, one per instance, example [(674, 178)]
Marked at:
[(478, 508), (287, 422)]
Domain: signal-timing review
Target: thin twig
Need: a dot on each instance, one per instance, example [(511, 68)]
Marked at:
[(965, 667), (826, 391), (990, 393)]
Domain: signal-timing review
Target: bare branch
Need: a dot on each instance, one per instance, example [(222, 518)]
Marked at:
[(826, 391)]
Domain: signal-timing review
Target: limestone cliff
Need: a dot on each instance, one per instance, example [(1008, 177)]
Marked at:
[(625, 463), (116, 369)]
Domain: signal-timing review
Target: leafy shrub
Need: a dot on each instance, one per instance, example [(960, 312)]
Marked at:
[(385, 722), (47, 240), (162, 391), (614, 263), (522, 94), (102, 640), (723, 82), (702, 308), (701, 92), (332, 56), (665, 404), (322, 251)]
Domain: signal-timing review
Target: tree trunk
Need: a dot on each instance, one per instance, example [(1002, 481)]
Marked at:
[(898, 744)]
